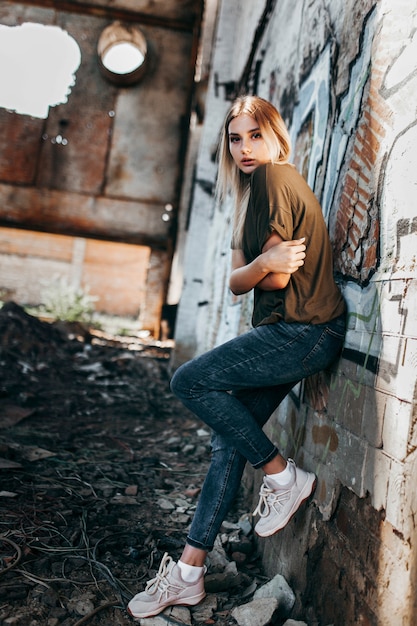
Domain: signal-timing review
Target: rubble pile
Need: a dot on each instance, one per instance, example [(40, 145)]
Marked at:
[(100, 470)]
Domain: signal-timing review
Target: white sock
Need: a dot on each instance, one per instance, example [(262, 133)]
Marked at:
[(281, 478), (190, 573)]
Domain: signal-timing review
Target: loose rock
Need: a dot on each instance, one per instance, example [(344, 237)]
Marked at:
[(256, 613), (278, 588)]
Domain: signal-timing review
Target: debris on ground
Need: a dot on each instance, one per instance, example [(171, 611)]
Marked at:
[(100, 471)]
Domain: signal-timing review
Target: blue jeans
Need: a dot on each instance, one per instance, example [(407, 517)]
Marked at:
[(234, 389)]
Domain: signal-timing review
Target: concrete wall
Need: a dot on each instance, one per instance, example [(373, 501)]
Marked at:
[(344, 75), (114, 274)]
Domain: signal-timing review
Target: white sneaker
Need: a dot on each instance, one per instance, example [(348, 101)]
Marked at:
[(166, 589), (277, 504)]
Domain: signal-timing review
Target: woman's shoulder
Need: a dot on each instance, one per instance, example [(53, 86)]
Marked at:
[(282, 181), (283, 171), (278, 172)]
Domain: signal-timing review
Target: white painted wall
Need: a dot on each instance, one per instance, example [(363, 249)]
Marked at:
[(344, 74)]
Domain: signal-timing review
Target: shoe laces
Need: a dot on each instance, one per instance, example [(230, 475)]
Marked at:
[(270, 497), (161, 582)]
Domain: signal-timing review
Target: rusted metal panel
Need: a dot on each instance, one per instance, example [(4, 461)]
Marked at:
[(105, 141), (14, 13), (144, 159), (184, 10), (173, 14), (84, 122), (85, 216), (19, 147), (104, 164)]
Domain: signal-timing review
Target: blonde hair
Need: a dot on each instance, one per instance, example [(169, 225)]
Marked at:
[(230, 178)]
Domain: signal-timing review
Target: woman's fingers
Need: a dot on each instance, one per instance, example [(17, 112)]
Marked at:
[(287, 256)]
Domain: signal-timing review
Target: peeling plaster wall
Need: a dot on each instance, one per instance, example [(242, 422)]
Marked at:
[(344, 75)]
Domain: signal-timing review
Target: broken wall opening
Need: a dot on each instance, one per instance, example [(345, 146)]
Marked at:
[(107, 160)]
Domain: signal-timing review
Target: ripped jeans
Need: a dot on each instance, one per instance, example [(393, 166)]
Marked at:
[(234, 389)]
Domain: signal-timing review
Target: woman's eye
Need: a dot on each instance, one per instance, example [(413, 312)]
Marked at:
[(256, 136), (234, 139)]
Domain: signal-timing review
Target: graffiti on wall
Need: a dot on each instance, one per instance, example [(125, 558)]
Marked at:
[(331, 135), (323, 131), (338, 139)]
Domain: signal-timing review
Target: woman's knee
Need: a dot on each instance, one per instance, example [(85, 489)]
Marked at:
[(219, 445), (181, 382), (175, 383)]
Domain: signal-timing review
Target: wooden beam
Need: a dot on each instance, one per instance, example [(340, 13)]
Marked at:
[(186, 23)]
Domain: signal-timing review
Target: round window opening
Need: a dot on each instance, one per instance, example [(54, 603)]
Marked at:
[(122, 53)]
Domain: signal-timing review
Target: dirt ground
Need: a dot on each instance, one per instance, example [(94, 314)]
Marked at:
[(100, 470)]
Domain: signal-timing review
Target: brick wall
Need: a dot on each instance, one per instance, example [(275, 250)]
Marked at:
[(344, 76)]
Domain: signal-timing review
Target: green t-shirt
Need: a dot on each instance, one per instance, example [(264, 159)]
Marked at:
[(281, 201)]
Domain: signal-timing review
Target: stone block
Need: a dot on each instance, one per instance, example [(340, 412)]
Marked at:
[(397, 371), (350, 413), (394, 303), (376, 476), (349, 460), (337, 451), (397, 427), (327, 490), (373, 411), (395, 495), (395, 575), (408, 307)]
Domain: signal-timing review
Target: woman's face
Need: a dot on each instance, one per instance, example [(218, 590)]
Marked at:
[(246, 144)]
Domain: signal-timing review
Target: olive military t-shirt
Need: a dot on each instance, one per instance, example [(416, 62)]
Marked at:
[(281, 201)]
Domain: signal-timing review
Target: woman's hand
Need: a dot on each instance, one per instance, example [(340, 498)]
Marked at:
[(271, 269), (283, 258)]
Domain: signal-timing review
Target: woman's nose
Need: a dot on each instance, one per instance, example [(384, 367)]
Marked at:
[(245, 147)]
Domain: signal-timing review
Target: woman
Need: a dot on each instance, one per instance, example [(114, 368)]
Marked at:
[(281, 249)]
